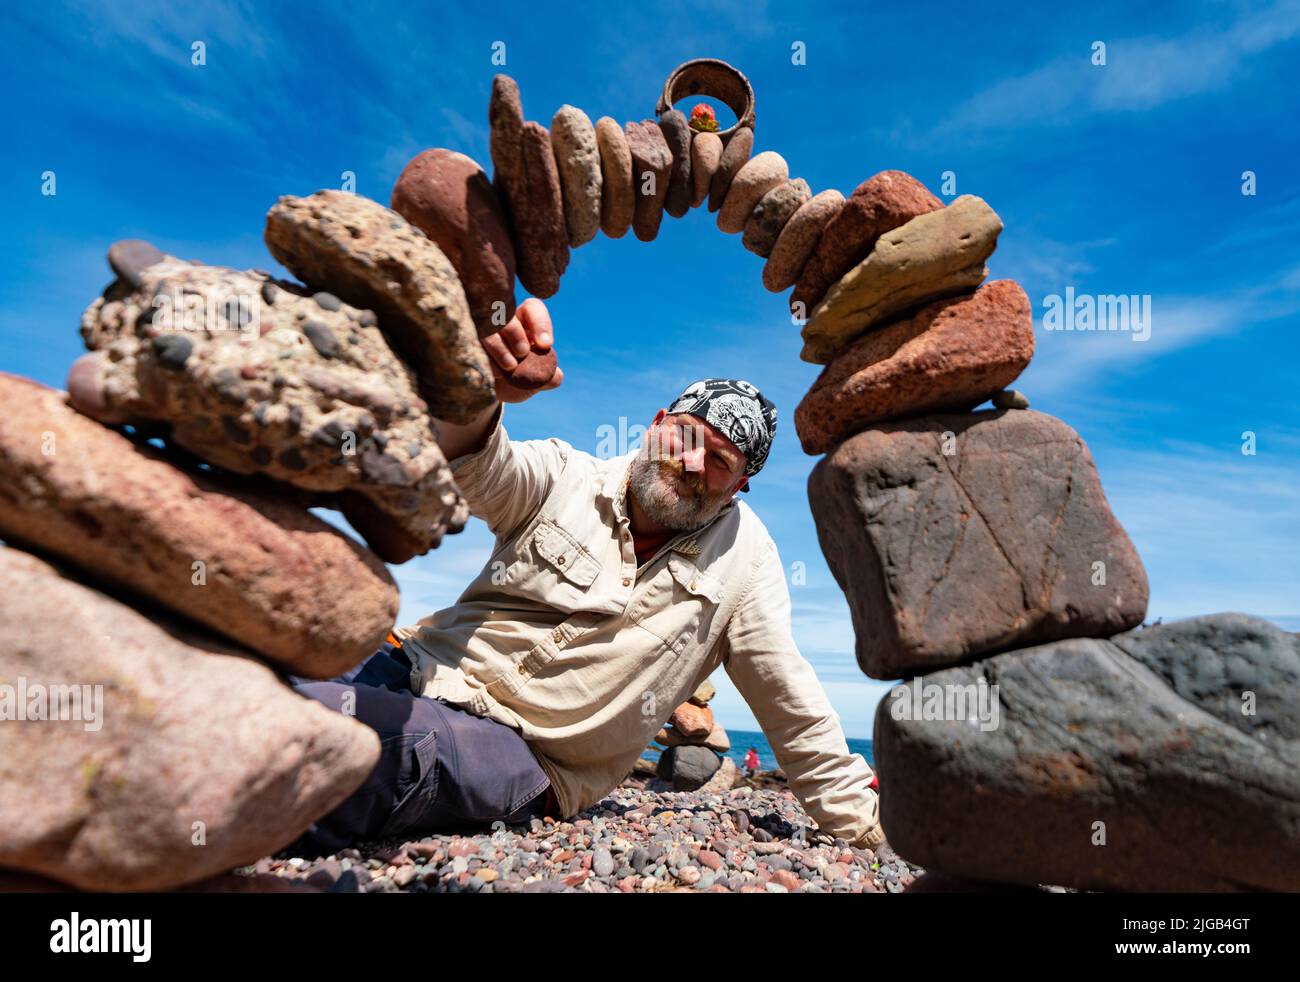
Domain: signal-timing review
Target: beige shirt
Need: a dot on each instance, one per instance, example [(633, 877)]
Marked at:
[(564, 638)]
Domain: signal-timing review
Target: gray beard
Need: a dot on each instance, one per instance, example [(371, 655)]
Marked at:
[(660, 496)]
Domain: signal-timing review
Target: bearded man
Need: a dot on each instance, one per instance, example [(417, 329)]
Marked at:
[(615, 589)]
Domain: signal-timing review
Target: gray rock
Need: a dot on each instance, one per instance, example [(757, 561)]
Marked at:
[(1142, 739), (944, 556)]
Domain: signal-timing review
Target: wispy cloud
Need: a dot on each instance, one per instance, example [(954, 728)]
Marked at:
[(1140, 74)]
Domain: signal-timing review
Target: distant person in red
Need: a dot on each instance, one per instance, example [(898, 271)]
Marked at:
[(751, 762)]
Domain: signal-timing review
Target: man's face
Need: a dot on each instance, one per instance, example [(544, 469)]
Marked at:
[(686, 471)]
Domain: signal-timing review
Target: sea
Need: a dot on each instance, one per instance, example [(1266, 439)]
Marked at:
[(742, 740)]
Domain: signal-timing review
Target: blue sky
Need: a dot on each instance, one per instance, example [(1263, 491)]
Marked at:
[(1116, 178)]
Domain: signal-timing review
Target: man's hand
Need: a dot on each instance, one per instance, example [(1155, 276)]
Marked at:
[(523, 348)]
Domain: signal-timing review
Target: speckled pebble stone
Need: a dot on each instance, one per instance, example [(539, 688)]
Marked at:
[(374, 258), (279, 396)]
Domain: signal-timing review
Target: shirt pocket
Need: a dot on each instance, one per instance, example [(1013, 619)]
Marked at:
[(696, 594), (563, 570)]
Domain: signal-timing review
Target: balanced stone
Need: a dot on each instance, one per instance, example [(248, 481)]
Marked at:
[(256, 567), (1123, 764), (935, 255), (734, 156), (617, 198), (262, 399), (374, 258), (1010, 399), (879, 204), (954, 535), (692, 721), (948, 356), (677, 134), (706, 155), (799, 238), (652, 165), (755, 179), (577, 157), (449, 198), (771, 214), (528, 183), (165, 756)]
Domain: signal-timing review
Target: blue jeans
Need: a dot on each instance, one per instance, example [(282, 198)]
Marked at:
[(440, 767)]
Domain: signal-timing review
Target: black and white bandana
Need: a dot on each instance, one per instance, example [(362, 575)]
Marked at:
[(740, 412)]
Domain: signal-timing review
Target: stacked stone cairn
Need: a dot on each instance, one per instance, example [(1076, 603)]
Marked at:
[(163, 571), (692, 745), (982, 563), (976, 548)]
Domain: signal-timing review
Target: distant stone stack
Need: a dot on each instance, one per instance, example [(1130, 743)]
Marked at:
[(159, 542), (693, 745)]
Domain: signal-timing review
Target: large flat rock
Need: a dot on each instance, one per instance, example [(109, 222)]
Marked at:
[(188, 759), (227, 553), (1166, 758), (954, 535)]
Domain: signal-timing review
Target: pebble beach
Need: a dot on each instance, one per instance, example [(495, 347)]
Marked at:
[(638, 839)]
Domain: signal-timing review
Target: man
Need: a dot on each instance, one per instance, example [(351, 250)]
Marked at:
[(616, 588)]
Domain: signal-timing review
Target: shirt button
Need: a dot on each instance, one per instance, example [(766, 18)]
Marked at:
[(692, 584), (560, 560), (626, 581), (557, 635), (522, 670)]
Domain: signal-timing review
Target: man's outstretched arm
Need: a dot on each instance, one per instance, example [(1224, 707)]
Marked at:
[(530, 326), (504, 482), (787, 699)]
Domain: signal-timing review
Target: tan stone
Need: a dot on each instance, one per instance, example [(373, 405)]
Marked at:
[(799, 238), (759, 175), (704, 692), (934, 255), (573, 140), (194, 759), (734, 156), (706, 155), (617, 200), (947, 357)]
